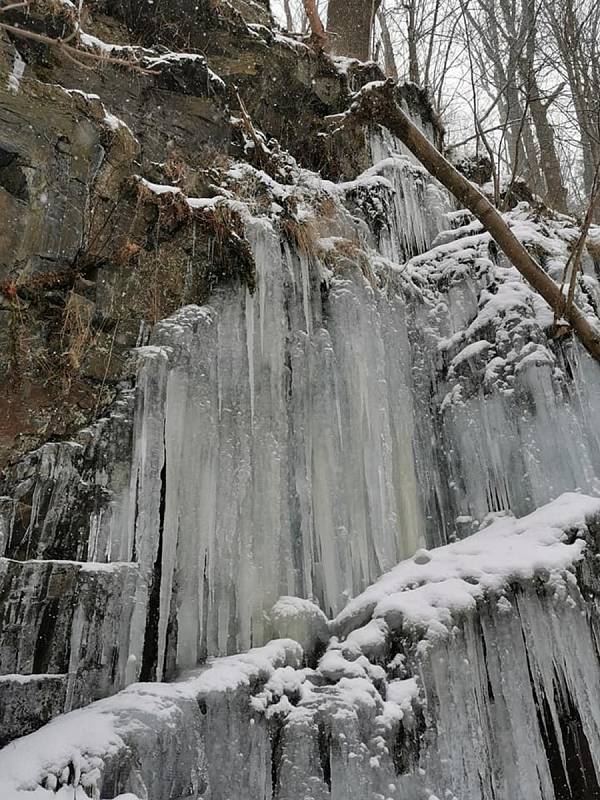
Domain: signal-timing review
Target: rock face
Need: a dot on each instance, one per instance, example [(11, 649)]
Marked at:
[(239, 391)]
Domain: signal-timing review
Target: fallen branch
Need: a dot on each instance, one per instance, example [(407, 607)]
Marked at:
[(72, 52), (261, 150), (377, 103)]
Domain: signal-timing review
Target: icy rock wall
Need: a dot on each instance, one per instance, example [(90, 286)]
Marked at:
[(467, 672), (64, 500), (475, 680), (299, 440), (198, 737), (507, 417), (416, 208), (272, 446), (503, 706), (523, 673), (273, 450), (65, 608)]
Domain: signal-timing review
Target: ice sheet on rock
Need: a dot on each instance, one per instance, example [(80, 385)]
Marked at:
[(505, 695), (75, 492), (499, 398), (414, 213), (515, 719)]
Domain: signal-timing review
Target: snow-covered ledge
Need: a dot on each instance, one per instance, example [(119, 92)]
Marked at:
[(423, 593), (450, 674), (152, 739)]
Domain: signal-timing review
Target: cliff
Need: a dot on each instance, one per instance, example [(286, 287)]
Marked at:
[(252, 364)]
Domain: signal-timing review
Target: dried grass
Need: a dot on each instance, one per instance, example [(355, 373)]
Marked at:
[(77, 335), (302, 234)]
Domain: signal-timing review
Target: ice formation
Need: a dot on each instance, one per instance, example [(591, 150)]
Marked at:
[(386, 391), (471, 672)]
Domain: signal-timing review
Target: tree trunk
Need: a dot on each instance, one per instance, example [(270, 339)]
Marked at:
[(411, 36), (388, 51), (316, 26), (289, 22), (556, 192), (377, 104), (522, 146), (349, 24)]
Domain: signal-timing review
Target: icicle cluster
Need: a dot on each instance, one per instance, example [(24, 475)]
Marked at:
[(273, 450)]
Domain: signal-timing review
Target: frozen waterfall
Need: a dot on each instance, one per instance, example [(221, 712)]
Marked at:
[(387, 393), (274, 449)]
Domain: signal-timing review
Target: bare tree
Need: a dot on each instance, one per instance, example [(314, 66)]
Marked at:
[(529, 67), (412, 38), (349, 24), (502, 33), (575, 28), (389, 59)]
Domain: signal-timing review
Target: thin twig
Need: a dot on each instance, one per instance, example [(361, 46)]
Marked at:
[(14, 6), (578, 249)]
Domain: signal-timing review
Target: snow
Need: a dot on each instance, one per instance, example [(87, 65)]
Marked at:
[(157, 188), (369, 640), (427, 596), (343, 64), (26, 679), (88, 738), (88, 40), (14, 79), (483, 737), (301, 620), (114, 123), (203, 202), (289, 41), (173, 58), (85, 95), (471, 351), (403, 692), (83, 566)]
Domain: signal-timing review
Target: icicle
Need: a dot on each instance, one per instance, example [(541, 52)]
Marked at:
[(287, 460)]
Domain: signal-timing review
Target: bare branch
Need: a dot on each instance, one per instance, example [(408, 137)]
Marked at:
[(75, 53)]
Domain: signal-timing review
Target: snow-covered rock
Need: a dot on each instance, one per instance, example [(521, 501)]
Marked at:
[(301, 620)]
